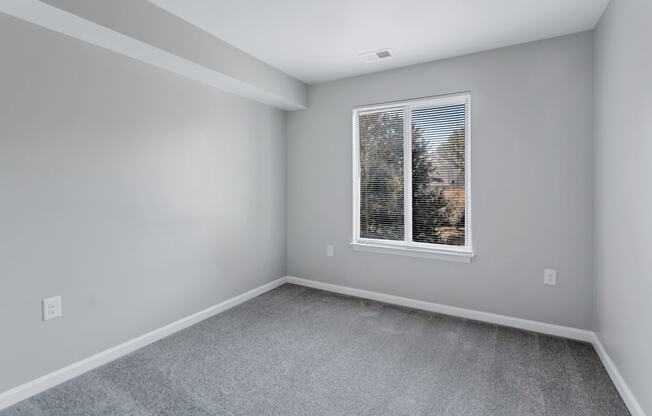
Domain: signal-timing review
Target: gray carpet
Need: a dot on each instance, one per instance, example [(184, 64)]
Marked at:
[(299, 351)]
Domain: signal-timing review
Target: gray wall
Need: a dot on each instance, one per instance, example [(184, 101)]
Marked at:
[(532, 186), (148, 23), (136, 195), (623, 162)]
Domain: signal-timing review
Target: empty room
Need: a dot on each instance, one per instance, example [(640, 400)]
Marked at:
[(323, 208)]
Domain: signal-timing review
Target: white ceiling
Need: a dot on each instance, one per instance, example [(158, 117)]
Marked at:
[(320, 40)]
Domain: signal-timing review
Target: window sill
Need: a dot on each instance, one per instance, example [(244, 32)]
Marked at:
[(459, 256)]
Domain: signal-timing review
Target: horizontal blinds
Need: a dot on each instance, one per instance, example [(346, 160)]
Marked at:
[(381, 174), (438, 158)]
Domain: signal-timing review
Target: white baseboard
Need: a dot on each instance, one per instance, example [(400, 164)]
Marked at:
[(62, 375), (47, 381), (541, 327), (630, 400), (557, 330)]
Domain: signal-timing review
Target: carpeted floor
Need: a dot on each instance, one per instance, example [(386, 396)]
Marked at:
[(298, 351)]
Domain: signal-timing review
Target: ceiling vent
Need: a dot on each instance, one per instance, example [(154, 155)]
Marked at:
[(376, 55)]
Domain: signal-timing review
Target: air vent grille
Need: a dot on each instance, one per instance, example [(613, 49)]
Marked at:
[(375, 55)]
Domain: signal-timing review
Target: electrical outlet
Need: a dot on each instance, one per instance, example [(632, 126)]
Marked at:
[(51, 308), (550, 277), (329, 251)]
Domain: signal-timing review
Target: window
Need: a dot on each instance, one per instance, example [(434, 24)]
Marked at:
[(412, 178)]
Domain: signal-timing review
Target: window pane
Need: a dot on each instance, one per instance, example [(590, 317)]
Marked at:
[(381, 175), (438, 175)]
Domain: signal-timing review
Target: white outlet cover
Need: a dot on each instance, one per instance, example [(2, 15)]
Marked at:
[(550, 277), (329, 251), (51, 308)]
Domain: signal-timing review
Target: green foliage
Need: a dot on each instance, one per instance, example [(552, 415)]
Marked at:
[(381, 176), (427, 204), (438, 215), (451, 153)]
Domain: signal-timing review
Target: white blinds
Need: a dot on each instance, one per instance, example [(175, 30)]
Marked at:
[(381, 175), (438, 157), (434, 192)]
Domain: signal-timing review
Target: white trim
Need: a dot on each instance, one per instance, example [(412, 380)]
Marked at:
[(628, 397), (438, 100), (407, 175), (526, 324), (468, 217), (355, 176), (62, 375), (407, 246), (460, 256)]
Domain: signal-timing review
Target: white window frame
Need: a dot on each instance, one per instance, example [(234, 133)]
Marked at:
[(408, 247)]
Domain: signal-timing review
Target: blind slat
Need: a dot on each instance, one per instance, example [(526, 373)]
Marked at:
[(438, 160), (437, 180), (381, 175)]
